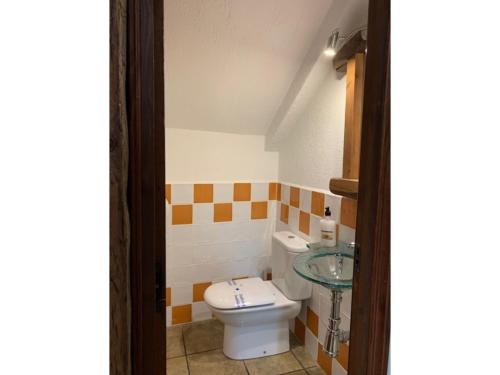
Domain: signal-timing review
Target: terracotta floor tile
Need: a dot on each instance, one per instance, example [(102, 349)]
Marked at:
[(315, 371), (303, 356), (203, 336), (177, 366), (175, 343), (214, 363), (273, 365)]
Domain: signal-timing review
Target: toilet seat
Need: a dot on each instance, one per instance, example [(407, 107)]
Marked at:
[(252, 332), (239, 294)]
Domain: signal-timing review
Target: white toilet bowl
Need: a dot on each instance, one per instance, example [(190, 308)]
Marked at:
[(251, 332), (255, 313)]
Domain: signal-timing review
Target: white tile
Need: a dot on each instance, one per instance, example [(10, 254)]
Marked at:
[(241, 250), (203, 273), (259, 229), (280, 226), (345, 306), (322, 328), (255, 248), (325, 292), (201, 234), (260, 192), (181, 276), (169, 316), (346, 234), (311, 344), (217, 233), (325, 307), (337, 369), (293, 219), (263, 266), (285, 194), (223, 193), (271, 209), (305, 200), (303, 311), (314, 302), (333, 201), (223, 252), (182, 235), (228, 232), (345, 322), (203, 213), (182, 295), (203, 254), (168, 276), (221, 271), (182, 193), (244, 267), (200, 311), (241, 211), (180, 255), (243, 231)]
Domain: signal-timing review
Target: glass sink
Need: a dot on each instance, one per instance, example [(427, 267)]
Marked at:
[(329, 267)]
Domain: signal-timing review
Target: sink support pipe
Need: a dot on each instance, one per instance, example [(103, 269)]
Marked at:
[(334, 335)]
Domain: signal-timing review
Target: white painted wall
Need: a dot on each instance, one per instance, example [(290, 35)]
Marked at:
[(197, 156), (229, 64), (312, 152)]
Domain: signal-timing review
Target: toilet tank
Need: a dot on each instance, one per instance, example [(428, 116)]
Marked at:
[(285, 247)]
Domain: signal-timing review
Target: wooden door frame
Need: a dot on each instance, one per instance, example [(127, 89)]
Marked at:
[(370, 311), (138, 346), (368, 353), (147, 185)]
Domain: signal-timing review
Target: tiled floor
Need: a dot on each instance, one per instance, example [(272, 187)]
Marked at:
[(196, 349)]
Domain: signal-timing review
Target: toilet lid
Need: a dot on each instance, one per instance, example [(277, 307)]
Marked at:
[(236, 294)]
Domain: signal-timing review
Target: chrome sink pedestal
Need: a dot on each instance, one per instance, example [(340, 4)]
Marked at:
[(333, 269), (334, 335)]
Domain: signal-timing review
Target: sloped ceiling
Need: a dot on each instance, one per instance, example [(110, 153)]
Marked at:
[(230, 63)]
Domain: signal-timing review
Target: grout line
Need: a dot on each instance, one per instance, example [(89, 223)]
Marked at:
[(205, 351), (185, 350), (246, 369), (300, 363), (187, 364)]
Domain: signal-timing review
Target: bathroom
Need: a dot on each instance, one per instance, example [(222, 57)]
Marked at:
[(254, 133)]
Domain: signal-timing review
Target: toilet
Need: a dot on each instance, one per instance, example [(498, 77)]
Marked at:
[(255, 312)]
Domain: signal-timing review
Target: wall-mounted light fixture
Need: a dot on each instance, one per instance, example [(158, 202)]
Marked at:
[(331, 44), (336, 41)]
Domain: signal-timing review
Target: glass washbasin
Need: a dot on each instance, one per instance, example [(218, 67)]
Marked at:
[(329, 267)]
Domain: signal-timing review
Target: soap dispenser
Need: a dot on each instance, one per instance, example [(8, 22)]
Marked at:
[(328, 229)]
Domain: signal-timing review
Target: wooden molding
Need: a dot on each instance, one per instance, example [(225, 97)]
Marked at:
[(353, 116), (344, 187)]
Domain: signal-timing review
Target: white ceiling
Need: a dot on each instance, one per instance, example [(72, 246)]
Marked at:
[(230, 63)]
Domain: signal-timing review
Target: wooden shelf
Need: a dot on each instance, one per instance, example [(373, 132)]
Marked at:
[(345, 187)]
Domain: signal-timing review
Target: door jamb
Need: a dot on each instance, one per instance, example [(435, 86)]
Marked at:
[(146, 189), (370, 310)]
